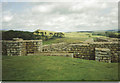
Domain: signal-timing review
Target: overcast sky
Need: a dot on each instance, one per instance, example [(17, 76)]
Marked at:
[(60, 16)]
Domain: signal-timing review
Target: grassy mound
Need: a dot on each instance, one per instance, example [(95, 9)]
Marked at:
[(56, 68)]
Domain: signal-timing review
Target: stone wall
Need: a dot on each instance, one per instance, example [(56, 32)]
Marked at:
[(53, 54), (86, 50), (101, 39), (33, 46), (107, 39), (82, 51), (13, 48), (59, 47), (20, 48), (103, 55), (113, 46)]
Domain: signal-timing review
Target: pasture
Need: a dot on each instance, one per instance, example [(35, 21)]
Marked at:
[(72, 37), (56, 68)]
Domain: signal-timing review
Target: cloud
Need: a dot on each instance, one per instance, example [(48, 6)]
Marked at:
[(7, 18), (59, 0), (62, 16), (42, 8)]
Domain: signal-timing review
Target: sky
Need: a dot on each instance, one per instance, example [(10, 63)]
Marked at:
[(60, 16)]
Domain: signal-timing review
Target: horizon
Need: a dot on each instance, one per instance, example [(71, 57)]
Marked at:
[(60, 16), (65, 32)]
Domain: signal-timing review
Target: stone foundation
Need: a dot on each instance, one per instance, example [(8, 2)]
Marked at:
[(89, 50), (21, 47), (103, 55), (86, 50)]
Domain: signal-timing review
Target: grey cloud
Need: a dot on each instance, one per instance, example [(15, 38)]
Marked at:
[(61, 17)]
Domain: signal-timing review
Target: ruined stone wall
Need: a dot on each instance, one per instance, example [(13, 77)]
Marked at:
[(53, 54), (85, 51), (20, 48), (101, 39), (103, 55), (33, 46), (82, 51), (13, 48), (113, 46), (107, 39), (59, 47)]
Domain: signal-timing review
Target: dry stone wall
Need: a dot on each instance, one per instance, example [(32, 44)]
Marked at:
[(103, 55), (99, 39), (21, 48), (89, 50), (86, 50), (54, 54), (59, 47), (13, 48), (113, 46), (107, 39), (33, 46), (82, 51)]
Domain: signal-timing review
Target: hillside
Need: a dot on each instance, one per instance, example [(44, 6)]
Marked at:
[(26, 35), (56, 68), (73, 37), (48, 34)]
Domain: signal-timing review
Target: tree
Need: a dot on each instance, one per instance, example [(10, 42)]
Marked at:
[(111, 34), (61, 35)]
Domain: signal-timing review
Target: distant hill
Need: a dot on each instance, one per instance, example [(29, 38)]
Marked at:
[(48, 34), (26, 35), (114, 30), (86, 31), (80, 31)]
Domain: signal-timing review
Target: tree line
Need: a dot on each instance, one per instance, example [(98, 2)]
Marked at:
[(112, 34), (9, 35)]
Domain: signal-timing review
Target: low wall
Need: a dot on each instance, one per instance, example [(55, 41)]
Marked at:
[(102, 39), (82, 51), (53, 54), (85, 50), (59, 47), (13, 48), (33, 46), (113, 46), (21, 48), (103, 55)]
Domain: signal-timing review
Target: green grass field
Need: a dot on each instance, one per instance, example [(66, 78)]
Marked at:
[(73, 37), (66, 39), (56, 68)]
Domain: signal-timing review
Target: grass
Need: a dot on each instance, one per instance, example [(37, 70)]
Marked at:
[(56, 68), (67, 40), (72, 37), (78, 35)]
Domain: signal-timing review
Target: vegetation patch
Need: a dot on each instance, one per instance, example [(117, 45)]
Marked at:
[(56, 68)]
